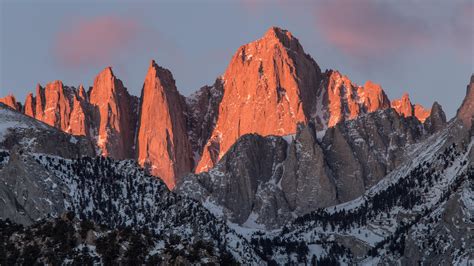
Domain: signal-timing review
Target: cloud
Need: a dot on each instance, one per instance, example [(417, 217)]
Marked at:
[(369, 28), (95, 41), (462, 30)]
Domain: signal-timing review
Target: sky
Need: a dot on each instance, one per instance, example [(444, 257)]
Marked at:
[(424, 47)]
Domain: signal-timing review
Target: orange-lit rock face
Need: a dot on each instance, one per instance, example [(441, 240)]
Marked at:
[(421, 112), (30, 105), (162, 142), (108, 115), (269, 87), (78, 122), (405, 108), (11, 101), (345, 100), (55, 105), (112, 115)]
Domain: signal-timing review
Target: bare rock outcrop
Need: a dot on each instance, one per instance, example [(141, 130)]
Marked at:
[(340, 99), (10, 100), (202, 113), (163, 146), (405, 108), (465, 113), (264, 181), (249, 170), (307, 181), (437, 119), (113, 114), (269, 86), (30, 105), (54, 104)]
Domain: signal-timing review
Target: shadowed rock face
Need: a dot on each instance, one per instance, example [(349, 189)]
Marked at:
[(307, 182), (202, 113), (163, 147), (465, 113), (361, 151), (267, 180), (237, 180), (437, 119)]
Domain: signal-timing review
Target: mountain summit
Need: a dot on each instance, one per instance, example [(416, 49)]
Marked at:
[(163, 147), (269, 87)]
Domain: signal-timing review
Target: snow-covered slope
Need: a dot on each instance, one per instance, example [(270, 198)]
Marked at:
[(119, 194), (427, 198), (18, 131), (43, 174)]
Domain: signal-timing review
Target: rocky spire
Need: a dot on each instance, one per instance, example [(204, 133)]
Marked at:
[(57, 105), (10, 100), (465, 113), (40, 102), (436, 120), (405, 108), (30, 105), (403, 105), (342, 100), (112, 115), (79, 123), (163, 147), (421, 112), (269, 86)]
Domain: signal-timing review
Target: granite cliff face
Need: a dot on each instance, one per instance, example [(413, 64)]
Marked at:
[(202, 113), (269, 87), (267, 180), (163, 146), (340, 99)]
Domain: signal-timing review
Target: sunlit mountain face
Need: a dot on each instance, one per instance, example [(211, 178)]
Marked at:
[(282, 159)]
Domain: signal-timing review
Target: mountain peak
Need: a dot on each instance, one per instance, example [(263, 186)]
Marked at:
[(466, 112), (113, 118), (107, 72), (276, 32), (270, 85), (163, 148), (403, 105), (436, 119), (10, 100), (285, 37)]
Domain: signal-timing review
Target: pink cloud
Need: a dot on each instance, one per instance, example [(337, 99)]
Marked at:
[(368, 28), (462, 30), (95, 41)]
